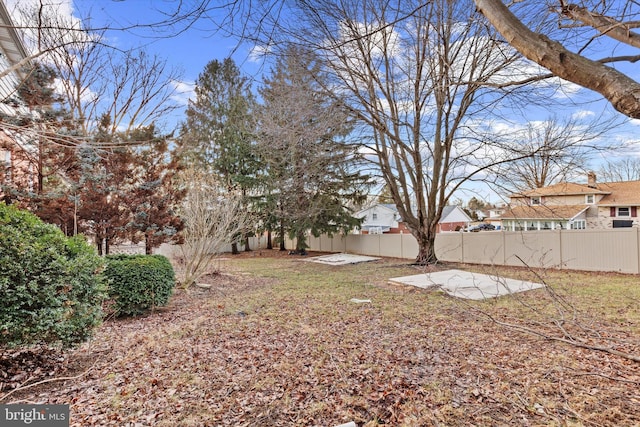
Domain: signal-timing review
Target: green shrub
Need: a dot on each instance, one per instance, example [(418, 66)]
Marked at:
[(138, 283), (50, 287)]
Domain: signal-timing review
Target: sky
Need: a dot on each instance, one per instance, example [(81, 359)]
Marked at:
[(192, 49), (188, 51)]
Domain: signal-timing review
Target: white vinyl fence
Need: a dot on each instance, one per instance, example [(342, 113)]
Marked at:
[(615, 250)]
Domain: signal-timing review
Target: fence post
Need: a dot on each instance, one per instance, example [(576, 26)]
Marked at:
[(504, 247), (638, 249), (560, 244)]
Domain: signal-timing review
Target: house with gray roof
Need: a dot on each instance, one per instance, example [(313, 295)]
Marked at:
[(384, 218)]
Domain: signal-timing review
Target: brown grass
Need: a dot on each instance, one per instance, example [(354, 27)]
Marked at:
[(276, 342)]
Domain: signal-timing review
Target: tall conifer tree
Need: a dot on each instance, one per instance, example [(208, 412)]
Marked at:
[(217, 136), (312, 174)]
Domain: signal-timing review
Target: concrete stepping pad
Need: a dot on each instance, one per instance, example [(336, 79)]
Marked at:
[(467, 285)]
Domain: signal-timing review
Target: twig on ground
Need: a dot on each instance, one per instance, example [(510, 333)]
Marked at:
[(48, 380), (576, 343)]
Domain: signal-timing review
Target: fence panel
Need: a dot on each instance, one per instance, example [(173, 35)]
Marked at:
[(601, 250), (410, 247), (390, 245), (336, 243), (532, 248), (448, 247), (486, 247), (315, 243), (364, 244), (595, 250), (130, 249)]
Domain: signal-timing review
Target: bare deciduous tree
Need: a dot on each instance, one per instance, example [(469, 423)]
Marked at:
[(213, 216), (417, 76), (627, 169), (97, 79), (530, 27), (556, 150)]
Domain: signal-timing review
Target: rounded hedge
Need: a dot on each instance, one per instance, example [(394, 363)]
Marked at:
[(139, 283), (51, 286)]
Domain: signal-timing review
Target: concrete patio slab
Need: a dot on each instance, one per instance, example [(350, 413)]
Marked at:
[(341, 259), (467, 285)]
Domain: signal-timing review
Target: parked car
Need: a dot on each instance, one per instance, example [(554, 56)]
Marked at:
[(484, 226)]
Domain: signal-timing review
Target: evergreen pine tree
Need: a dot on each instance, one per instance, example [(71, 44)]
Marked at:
[(311, 169)]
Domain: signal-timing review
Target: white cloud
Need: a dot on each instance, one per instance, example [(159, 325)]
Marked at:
[(183, 91), (59, 7), (259, 52), (582, 114), (58, 26)]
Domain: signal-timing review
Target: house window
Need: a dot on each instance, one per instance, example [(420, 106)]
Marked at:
[(518, 226), (624, 212), (589, 199), (535, 200), (621, 223), (374, 216), (578, 224)]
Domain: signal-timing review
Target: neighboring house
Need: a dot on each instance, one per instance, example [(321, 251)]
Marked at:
[(481, 215), (12, 51), (384, 218), (381, 218), (454, 218), (574, 206), (495, 215)]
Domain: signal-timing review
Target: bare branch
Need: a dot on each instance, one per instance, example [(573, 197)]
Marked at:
[(605, 25), (622, 91), (213, 218), (5, 396)]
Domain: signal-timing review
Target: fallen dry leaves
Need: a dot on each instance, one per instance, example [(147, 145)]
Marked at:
[(257, 350)]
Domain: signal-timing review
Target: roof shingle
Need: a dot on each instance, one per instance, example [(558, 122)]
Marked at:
[(562, 189), (624, 193)]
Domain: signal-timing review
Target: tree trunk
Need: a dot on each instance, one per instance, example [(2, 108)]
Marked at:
[(301, 243), (40, 167), (426, 246), (282, 246), (234, 248), (269, 241), (246, 244), (98, 242), (148, 249)]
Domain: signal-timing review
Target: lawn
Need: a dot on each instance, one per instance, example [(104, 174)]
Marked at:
[(275, 341)]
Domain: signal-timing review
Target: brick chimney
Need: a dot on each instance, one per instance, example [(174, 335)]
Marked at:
[(591, 179)]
